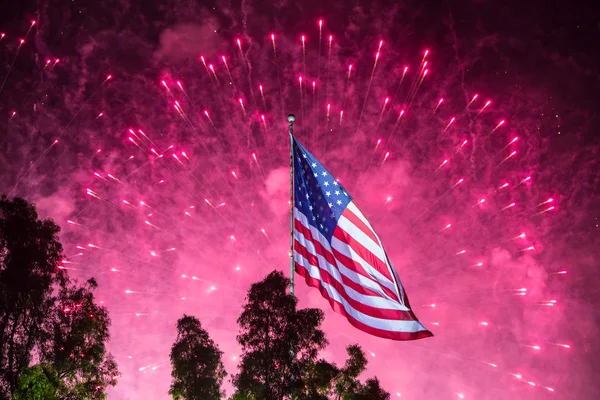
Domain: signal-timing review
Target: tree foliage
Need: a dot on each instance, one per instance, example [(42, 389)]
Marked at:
[(280, 346), (29, 256), (279, 343), (198, 371), (43, 313), (371, 390), (326, 381), (78, 332), (38, 383)]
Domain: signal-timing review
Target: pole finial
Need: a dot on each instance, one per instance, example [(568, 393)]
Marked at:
[(291, 118)]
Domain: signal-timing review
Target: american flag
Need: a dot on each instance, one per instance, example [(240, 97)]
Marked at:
[(337, 251)]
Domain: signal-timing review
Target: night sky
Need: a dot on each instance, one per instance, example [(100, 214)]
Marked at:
[(174, 172)]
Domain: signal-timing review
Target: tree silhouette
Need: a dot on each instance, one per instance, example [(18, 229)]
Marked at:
[(371, 391), (280, 346), (30, 254), (38, 382), (279, 343), (43, 313), (197, 368), (78, 331)]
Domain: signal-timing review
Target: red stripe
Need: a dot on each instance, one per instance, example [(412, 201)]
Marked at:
[(331, 257), (337, 307), (346, 261), (318, 246), (383, 313), (358, 268), (343, 259), (352, 217), (313, 260), (363, 252)]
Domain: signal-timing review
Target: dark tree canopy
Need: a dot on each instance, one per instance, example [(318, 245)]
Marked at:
[(38, 383), (29, 256), (371, 390), (198, 371), (78, 332), (280, 346), (279, 343), (43, 313), (347, 383)]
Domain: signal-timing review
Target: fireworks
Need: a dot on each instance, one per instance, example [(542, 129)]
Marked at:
[(445, 178)]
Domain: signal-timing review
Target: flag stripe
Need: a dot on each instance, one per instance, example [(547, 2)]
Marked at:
[(304, 246), (367, 305), (353, 212), (356, 221), (392, 320), (352, 262), (355, 240), (323, 249), (392, 333), (370, 248)]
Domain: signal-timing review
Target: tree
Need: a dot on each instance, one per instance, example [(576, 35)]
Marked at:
[(346, 383), (279, 343), (37, 383), (43, 313), (198, 371), (29, 257), (371, 391), (76, 348), (343, 383)]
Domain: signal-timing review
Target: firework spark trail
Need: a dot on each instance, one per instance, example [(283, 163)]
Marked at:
[(328, 68), (362, 111), (420, 75), (399, 84), (21, 42), (248, 70), (185, 172), (282, 103), (35, 163), (60, 134), (319, 53)]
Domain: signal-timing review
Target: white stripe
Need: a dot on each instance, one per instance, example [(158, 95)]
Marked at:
[(350, 274), (357, 234), (378, 323), (352, 207), (372, 301), (349, 252), (398, 288)]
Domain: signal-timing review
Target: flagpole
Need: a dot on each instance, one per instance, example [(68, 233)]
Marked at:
[(291, 118)]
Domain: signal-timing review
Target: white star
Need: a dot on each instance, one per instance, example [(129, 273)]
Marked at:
[(321, 225), (339, 202), (330, 205), (326, 183), (316, 175), (304, 155), (328, 194), (337, 192), (335, 183), (314, 165), (307, 195), (310, 208), (314, 218), (345, 194), (324, 173)]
